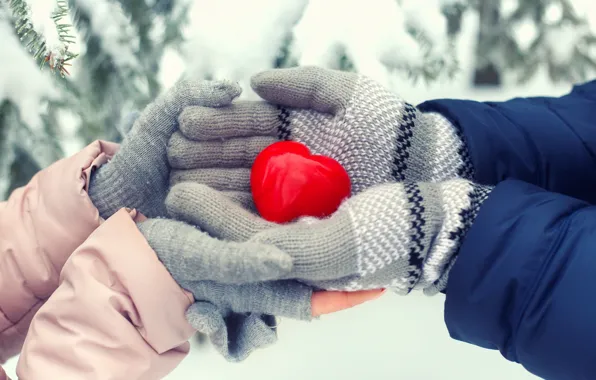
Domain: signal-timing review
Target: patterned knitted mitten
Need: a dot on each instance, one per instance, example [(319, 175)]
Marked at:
[(396, 235), (374, 134)]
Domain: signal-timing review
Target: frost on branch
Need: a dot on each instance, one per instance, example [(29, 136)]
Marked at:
[(24, 94), (114, 29), (378, 36), (21, 82), (43, 30), (234, 39), (528, 37)]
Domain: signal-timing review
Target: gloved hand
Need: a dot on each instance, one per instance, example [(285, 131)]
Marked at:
[(396, 235), (232, 307), (232, 315), (213, 271), (374, 134), (138, 175), (230, 284)]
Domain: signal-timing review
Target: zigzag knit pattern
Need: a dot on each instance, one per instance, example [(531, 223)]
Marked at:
[(284, 132), (405, 126), (417, 234), (407, 235), (379, 138), (410, 173)]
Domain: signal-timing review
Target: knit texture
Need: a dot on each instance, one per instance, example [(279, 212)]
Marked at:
[(379, 241), (191, 255), (239, 318), (138, 175), (229, 284), (376, 136), (234, 335), (401, 236)]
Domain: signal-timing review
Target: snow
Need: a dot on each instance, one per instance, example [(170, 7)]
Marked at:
[(233, 39), (173, 65), (429, 19), (586, 10), (41, 12), (21, 81), (367, 30), (525, 33), (553, 13), (371, 31), (69, 122), (109, 22), (508, 7), (562, 42)]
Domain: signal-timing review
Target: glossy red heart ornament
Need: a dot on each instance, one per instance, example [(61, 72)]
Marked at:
[(288, 182)]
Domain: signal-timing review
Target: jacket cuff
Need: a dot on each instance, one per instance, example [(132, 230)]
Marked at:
[(41, 224), (117, 314)]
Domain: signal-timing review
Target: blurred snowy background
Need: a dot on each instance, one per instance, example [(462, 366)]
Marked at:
[(132, 50)]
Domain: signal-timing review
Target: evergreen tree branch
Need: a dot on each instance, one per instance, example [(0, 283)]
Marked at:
[(55, 57)]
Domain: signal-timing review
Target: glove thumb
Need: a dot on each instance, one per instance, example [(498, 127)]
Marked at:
[(127, 122)]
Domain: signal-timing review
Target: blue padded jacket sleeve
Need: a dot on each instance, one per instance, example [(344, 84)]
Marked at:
[(525, 282), (549, 142)]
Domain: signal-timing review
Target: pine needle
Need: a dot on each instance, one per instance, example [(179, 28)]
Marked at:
[(35, 42)]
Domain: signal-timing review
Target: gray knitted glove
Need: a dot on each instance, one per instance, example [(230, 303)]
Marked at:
[(234, 335), (236, 317), (223, 311), (191, 255), (138, 175), (373, 133), (398, 235), (232, 315)]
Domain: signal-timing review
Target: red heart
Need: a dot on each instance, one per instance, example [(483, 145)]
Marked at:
[(288, 182)]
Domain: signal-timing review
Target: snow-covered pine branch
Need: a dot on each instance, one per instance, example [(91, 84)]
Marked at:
[(375, 37), (379, 37), (114, 29), (44, 30), (21, 82), (224, 40), (559, 35), (24, 94)]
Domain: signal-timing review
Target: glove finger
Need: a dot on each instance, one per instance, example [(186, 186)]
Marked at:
[(242, 198), (241, 119), (204, 317), (127, 122), (237, 179), (163, 113), (184, 153), (254, 331), (281, 298), (214, 213), (190, 255), (236, 335), (321, 249), (307, 87)]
